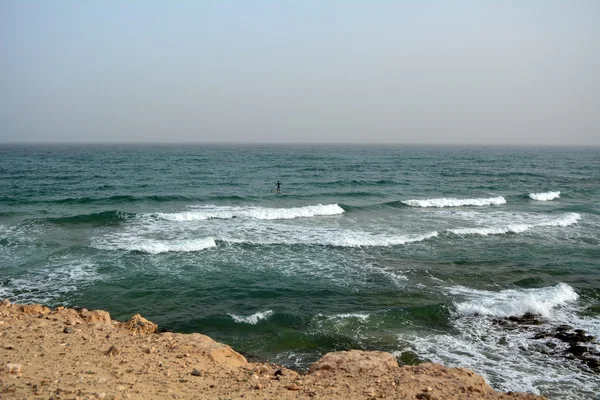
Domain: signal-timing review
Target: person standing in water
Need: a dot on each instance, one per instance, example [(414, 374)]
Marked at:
[(278, 187)]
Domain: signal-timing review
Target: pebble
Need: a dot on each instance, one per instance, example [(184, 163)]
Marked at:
[(113, 350), (293, 386), (12, 368), (68, 329), (196, 372)]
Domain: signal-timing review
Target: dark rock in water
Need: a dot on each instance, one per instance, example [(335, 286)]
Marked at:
[(541, 335), (564, 328), (593, 363), (409, 358), (522, 322), (574, 337), (576, 350)]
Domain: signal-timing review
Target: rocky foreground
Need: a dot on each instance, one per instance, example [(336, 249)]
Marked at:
[(67, 353)]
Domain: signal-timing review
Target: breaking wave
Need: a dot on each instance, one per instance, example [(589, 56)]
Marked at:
[(153, 246), (510, 302), (544, 196), (450, 202), (565, 220), (252, 319), (228, 212)]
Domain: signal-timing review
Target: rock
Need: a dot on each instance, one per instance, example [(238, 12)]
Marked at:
[(139, 324), (150, 350), (67, 315), (293, 387), (196, 372), (279, 372), (113, 350), (34, 309), (217, 352), (5, 303), (13, 369), (96, 316), (68, 329), (356, 361)]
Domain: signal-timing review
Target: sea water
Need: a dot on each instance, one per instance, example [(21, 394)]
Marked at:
[(410, 250)]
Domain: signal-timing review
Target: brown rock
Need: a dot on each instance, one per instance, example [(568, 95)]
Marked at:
[(5, 303), (113, 350), (217, 352), (139, 324), (293, 387), (356, 361), (34, 309), (97, 316)]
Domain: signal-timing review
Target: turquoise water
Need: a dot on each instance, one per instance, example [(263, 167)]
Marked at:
[(397, 249)]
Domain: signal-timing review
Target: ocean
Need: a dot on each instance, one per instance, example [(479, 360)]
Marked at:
[(419, 251)]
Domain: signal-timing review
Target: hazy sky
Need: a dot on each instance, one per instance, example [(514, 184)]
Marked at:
[(457, 72)]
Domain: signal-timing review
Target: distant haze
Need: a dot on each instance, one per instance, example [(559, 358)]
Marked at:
[(422, 72)]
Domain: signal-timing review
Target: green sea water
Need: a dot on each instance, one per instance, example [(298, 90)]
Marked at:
[(411, 250)]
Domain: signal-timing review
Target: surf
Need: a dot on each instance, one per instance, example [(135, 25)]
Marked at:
[(454, 202)]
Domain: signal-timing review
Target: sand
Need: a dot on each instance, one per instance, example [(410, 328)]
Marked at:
[(67, 353)]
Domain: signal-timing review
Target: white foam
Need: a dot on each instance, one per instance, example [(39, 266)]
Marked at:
[(153, 246), (252, 319), (227, 212), (351, 239), (335, 238), (51, 282), (450, 202), (544, 196), (511, 360), (509, 302), (561, 221), (359, 316)]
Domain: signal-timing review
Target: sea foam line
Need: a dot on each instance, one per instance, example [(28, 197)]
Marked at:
[(451, 202), (152, 246), (252, 319), (563, 221), (544, 196), (228, 212)]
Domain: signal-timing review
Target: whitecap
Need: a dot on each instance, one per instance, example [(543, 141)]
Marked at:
[(228, 212), (153, 246), (252, 319), (451, 202), (509, 302), (563, 220), (547, 196)]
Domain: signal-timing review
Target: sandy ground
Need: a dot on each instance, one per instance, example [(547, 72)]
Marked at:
[(80, 354)]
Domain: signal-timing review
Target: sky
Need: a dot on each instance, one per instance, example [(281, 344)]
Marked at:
[(324, 71)]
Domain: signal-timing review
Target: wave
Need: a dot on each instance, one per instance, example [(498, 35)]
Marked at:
[(151, 246), (227, 212), (252, 319), (101, 218), (451, 202), (516, 302), (562, 221), (544, 196), (338, 239), (358, 316)]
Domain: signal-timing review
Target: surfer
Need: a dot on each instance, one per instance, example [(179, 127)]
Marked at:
[(278, 187)]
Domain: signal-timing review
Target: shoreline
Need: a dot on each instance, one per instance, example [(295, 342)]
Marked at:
[(67, 353)]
